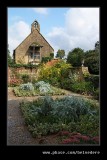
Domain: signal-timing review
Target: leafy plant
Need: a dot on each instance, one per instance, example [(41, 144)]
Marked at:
[(40, 88), (96, 93), (54, 74), (27, 86), (46, 116), (25, 78), (83, 87)]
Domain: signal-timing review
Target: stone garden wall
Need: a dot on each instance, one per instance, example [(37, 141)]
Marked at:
[(13, 72), (33, 72)]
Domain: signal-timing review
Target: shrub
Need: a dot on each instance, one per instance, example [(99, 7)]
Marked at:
[(25, 78), (27, 86), (13, 65), (54, 74), (43, 87), (83, 87), (45, 59), (66, 83), (40, 88), (80, 139), (94, 79), (70, 108), (46, 116), (96, 93)]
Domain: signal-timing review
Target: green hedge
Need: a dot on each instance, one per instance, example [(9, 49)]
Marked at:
[(23, 65)]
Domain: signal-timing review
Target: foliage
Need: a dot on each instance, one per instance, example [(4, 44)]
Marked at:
[(43, 87), (25, 78), (77, 138), (83, 87), (9, 58), (52, 55), (88, 123), (66, 83), (45, 116), (94, 79), (23, 65), (39, 88), (75, 57), (60, 54), (25, 93), (97, 47), (28, 87), (96, 94), (92, 59), (45, 59), (54, 74)]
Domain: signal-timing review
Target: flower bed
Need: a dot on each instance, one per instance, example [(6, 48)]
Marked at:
[(40, 88), (46, 116)]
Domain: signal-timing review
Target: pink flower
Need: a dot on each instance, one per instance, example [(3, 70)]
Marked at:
[(70, 141), (64, 133), (96, 139), (85, 138)]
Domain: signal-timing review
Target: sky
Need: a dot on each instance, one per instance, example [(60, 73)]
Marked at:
[(64, 28)]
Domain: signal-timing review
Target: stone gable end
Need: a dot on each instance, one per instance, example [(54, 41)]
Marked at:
[(22, 51)]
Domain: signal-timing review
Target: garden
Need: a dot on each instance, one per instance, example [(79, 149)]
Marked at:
[(68, 119)]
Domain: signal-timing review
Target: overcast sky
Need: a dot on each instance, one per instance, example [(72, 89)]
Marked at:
[(63, 28)]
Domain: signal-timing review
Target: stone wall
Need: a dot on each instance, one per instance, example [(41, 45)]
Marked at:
[(85, 70), (21, 52), (77, 71), (34, 72), (12, 72)]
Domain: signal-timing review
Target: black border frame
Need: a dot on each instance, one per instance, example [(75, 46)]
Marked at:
[(3, 81)]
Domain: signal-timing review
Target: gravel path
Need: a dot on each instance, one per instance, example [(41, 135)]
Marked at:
[(17, 132)]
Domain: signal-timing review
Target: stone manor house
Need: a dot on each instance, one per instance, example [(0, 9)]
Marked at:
[(33, 47)]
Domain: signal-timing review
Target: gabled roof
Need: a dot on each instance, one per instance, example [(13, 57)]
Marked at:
[(29, 35)]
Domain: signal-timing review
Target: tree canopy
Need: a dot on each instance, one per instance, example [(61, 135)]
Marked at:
[(9, 58), (75, 57), (92, 59), (60, 53)]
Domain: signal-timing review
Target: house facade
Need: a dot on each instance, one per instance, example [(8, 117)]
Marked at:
[(33, 47)]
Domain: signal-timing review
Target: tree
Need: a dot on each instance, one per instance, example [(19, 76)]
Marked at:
[(92, 59), (97, 47), (9, 58), (60, 53), (75, 57)]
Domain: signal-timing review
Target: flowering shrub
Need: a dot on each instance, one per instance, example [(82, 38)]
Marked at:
[(80, 139), (28, 86), (54, 74)]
